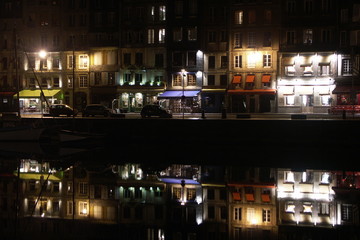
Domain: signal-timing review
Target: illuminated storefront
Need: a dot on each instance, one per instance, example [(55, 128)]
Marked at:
[(31, 101), (306, 83)]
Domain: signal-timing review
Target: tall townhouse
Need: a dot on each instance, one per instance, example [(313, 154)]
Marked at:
[(253, 46), (214, 224), (347, 199), (141, 198), (252, 203), (308, 62), (142, 53), (346, 93), (305, 203), (183, 201), (102, 39), (184, 57), (10, 20), (215, 44)]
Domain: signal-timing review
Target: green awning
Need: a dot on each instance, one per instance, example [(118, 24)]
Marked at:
[(36, 93)]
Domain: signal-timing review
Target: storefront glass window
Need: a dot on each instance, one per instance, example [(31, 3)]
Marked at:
[(138, 100), (125, 100)]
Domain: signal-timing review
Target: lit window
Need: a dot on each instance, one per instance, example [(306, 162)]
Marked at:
[(162, 13), (307, 208), (70, 61), (162, 35), (239, 17), (325, 178), (289, 177), (308, 36), (191, 194), (290, 207), (177, 193), (324, 209), (151, 35), (290, 70), (266, 215), (83, 208), (290, 100), (250, 215), (69, 81), (83, 61), (325, 100), (177, 80)]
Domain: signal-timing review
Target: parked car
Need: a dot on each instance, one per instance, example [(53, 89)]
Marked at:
[(155, 110), (96, 109), (56, 110)]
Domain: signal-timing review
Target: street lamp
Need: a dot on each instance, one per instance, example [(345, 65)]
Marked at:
[(42, 54), (183, 74)]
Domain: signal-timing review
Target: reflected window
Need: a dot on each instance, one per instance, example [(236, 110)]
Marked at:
[(290, 207)]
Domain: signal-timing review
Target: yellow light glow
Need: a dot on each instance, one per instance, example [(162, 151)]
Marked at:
[(42, 54), (253, 221)]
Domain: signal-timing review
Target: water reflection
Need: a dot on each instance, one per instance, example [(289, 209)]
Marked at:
[(71, 193)]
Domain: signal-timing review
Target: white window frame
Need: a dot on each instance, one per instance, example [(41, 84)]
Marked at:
[(151, 36), (237, 213), (83, 81), (83, 188), (70, 80), (83, 206), (70, 61), (83, 61), (238, 61), (266, 217), (69, 208), (267, 61)]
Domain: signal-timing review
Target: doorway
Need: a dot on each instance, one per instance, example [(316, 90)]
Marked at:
[(307, 103)]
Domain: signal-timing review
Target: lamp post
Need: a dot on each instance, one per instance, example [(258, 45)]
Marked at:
[(42, 54), (183, 74)]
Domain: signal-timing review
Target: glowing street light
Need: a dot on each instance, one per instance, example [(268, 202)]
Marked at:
[(42, 54), (183, 74)]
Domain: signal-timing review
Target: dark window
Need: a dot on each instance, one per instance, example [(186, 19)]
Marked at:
[(97, 78), (159, 212), (138, 212), (223, 80), (211, 62), (224, 61), (346, 213), (211, 212), (211, 194), (211, 80), (127, 212), (56, 62), (159, 60), (138, 193), (191, 58), (222, 194), (223, 212), (267, 39), (177, 59), (138, 59), (111, 78), (127, 59)]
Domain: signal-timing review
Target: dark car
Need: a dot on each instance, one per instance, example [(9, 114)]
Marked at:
[(96, 109), (155, 110), (56, 110)]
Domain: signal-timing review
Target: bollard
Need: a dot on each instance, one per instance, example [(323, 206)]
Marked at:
[(223, 113), (202, 113)]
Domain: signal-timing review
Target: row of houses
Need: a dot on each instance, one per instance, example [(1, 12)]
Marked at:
[(287, 56), (130, 201)]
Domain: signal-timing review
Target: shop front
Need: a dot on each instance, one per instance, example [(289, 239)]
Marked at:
[(187, 101), (213, 100), (31, 101), (347, 99), (251, 101), (134, 101)]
